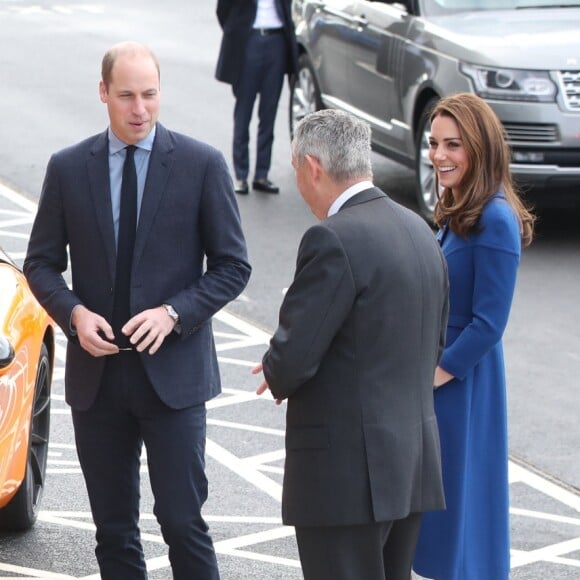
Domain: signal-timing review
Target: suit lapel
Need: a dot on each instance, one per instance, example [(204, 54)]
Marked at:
[(100, 192), (159, 167), (281, 8)]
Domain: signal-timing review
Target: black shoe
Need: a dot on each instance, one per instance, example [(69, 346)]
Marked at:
[(241, 186), (265, 185)]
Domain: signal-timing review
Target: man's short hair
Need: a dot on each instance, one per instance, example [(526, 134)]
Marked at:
[(123, 48), (341, 143)]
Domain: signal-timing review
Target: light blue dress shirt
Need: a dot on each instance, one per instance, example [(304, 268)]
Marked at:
[(117, 155)]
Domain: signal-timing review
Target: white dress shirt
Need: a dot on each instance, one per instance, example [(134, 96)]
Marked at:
[(267, 15), (347, 194)]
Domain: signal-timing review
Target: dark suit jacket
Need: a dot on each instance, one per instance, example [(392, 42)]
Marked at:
[(236, 18), (188, 213), (361, 330)]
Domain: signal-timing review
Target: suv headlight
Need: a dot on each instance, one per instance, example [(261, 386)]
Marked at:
[(510, 84)]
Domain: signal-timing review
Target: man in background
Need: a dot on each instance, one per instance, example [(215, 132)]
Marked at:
[(140, 208), (361, 330), (258, 48)]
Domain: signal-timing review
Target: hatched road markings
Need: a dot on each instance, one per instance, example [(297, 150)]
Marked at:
[(240, 345)]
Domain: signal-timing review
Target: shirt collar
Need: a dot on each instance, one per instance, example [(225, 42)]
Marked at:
[(347, 194), (115, 144)]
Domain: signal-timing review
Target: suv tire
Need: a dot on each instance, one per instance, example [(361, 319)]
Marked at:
[(424, 172), (304, 93)]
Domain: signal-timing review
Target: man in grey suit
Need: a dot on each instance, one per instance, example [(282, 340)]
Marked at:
[(361, 330), (150, 219)]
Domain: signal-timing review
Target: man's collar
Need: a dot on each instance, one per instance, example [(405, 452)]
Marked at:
[(115, 144), (347, 194)]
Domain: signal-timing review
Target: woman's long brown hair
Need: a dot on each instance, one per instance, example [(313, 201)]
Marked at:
[(484, 140)]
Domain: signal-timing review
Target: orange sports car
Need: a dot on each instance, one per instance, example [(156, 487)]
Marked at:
[(26, 362)]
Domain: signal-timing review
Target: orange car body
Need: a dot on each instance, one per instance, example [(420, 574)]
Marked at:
[(27, 327)]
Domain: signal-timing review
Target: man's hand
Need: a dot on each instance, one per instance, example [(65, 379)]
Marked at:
[(90, 329), (264, 386), (148, 329)]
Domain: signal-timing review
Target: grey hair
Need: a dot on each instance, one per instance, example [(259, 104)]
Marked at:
[(341, 142)]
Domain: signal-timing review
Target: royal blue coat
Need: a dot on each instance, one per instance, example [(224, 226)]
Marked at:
[(470, 539)]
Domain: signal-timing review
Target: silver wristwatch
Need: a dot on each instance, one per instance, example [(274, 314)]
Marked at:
[(171, 311)]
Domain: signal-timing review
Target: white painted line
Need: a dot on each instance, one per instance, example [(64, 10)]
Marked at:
[(543, 554), (15, 235), (238, 361), (271, 469), (262, 458), (18, 199), (243, 326), (230, 400), (243, 520), (31, 573), (15, 213), (69, 471), (60, 411), (257, 538), (564, 561), (260, 557), (243, 470), (518, 473), (228, 335), (544, 516), (245, 427), (20, 221), (245, 343)]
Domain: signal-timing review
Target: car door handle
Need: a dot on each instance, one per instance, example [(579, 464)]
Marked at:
[(360, 21)]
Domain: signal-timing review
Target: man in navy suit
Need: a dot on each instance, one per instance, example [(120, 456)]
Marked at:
[(146, 377), (258, 48)]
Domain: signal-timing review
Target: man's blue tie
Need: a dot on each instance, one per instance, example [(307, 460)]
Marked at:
[(125, 245)]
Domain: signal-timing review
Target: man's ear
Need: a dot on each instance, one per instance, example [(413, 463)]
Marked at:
[(314, 166), (103, 93)]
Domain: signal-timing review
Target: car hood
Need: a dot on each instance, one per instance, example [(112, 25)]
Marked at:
[(549, 38)]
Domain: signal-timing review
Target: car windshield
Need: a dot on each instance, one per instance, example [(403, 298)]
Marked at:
[(442, 7)]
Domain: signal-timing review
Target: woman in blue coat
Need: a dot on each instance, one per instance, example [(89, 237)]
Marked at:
[(483, 226)]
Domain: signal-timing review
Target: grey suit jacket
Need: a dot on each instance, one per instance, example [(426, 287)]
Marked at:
[(361, 330), (188, 215)]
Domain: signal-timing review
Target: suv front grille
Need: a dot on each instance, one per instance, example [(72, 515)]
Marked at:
[(570, 83), (531, 132)]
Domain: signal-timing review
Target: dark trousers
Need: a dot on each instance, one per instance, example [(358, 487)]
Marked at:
[(109, 438), (263, 74), (377, 551)]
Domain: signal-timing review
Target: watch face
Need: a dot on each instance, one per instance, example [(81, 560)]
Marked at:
[(171, 311)]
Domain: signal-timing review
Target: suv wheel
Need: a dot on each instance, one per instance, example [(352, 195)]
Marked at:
[(304, 93), (424, 172)]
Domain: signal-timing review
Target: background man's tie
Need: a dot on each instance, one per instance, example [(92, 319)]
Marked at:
[(125, 244)]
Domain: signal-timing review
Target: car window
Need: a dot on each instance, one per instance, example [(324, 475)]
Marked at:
[(443, 7)]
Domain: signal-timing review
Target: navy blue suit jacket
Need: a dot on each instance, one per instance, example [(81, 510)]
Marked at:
[(236, 17), (189, 216)]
